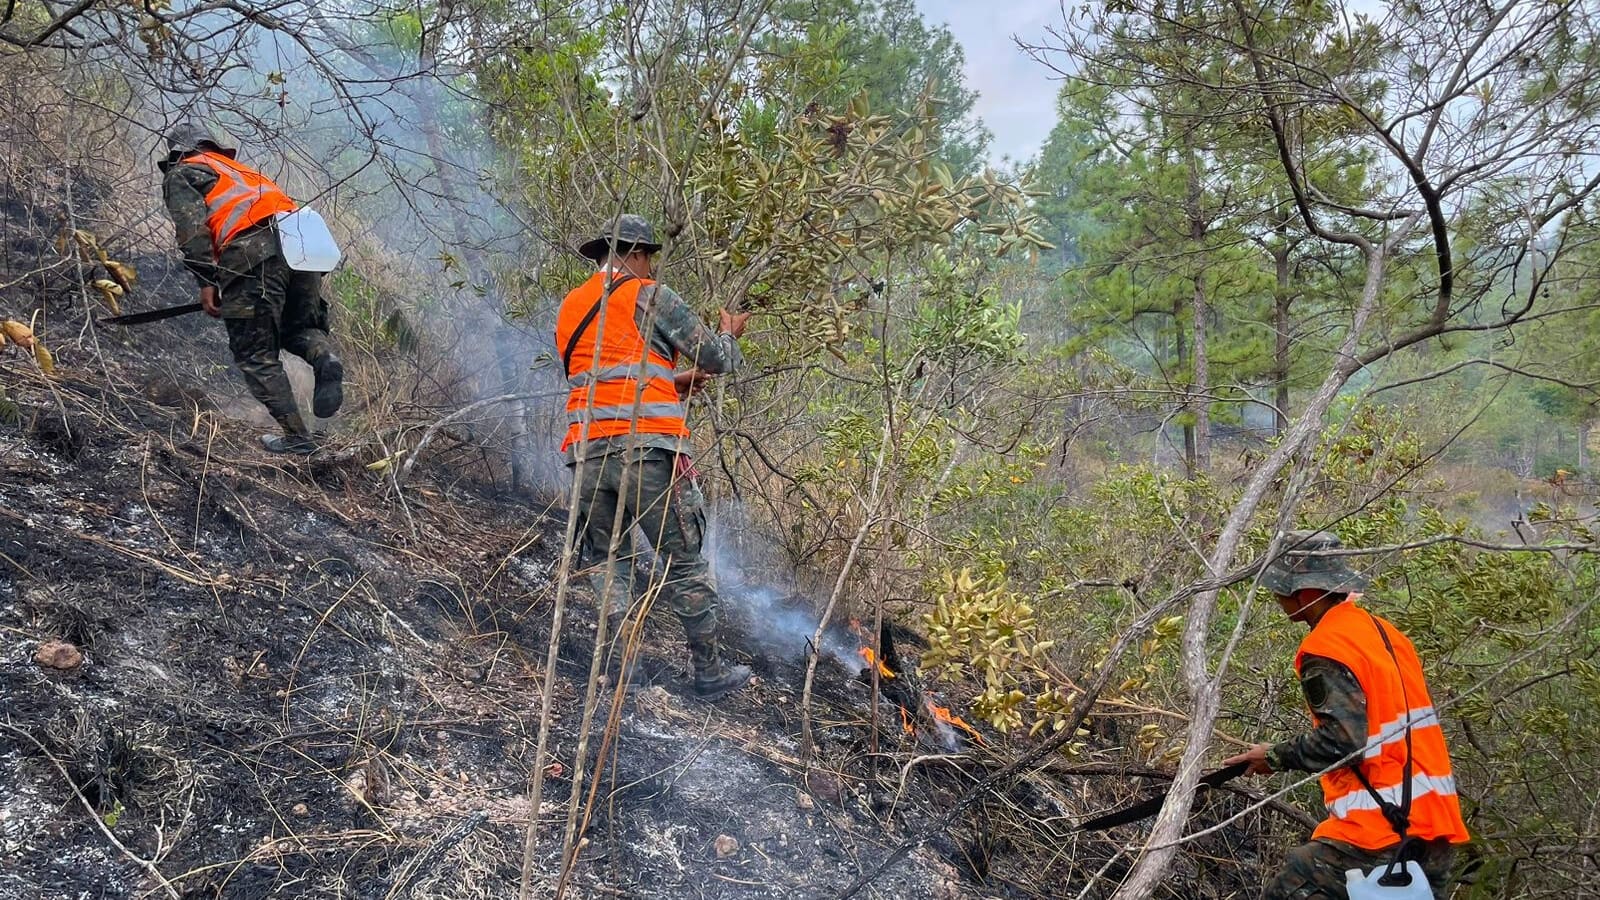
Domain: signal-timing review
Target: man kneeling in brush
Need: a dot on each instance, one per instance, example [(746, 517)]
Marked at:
[(1387, 781), (621, 335)]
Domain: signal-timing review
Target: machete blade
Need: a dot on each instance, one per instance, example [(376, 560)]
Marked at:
[(152, 315), (1144, 809)]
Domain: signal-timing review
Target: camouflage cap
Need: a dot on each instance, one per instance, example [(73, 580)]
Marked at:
[(192, 136), (626, 232), (1298, 566)]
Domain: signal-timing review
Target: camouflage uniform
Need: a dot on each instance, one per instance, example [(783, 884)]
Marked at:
[(651, 479), (1315, 870), (1339, 709), (265, 305), (652, 490)]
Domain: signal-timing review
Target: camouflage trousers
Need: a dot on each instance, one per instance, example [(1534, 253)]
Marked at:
[(656, 490), (1315, 870), (268, 309)]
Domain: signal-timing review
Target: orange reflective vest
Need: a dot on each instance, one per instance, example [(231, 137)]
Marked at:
[(1397, 695), (620, 385), (241, 198)]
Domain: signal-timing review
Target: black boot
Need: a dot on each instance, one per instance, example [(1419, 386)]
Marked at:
[(329, 393), (719, 680), (294, 439), (298, 444)]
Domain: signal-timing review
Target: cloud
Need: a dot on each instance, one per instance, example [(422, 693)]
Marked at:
[(1016, 95)]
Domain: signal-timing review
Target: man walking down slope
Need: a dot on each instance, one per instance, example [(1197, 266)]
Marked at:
[(225, 213), (621, 335)]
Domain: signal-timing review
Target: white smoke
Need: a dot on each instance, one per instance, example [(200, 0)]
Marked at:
[(396, 149), (753, 578)]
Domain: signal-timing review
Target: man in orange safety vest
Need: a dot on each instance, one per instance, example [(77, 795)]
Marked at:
[(1387, 781), (225, 213), (621, 335)]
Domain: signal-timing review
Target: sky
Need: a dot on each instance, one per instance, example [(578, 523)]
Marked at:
[(1016, 95)]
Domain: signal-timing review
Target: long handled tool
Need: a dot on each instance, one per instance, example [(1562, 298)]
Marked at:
[(1144, 809), (152, 315)]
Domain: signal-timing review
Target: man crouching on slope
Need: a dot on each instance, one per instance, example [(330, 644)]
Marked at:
[(621, 335), (1387, 775), (225, 213)]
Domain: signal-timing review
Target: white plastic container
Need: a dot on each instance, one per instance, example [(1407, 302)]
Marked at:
[(1364, 885), (307, 243)]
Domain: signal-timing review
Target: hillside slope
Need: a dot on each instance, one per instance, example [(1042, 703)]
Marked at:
[(230, 675), (292, 685)]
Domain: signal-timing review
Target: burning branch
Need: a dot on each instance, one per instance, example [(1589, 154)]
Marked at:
[(943, 715), (873, 660), (907, 697)]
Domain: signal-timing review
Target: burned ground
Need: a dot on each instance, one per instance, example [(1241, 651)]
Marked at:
[(291, 687), (298, 682), (286, 694)]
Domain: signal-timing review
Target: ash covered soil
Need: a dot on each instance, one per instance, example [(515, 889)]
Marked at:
[(290, 685)]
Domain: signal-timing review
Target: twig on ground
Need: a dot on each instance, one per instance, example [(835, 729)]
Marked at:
[(419, 865), (147, 865), (434, 429)]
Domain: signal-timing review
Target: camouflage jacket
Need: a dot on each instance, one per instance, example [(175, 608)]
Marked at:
[(184, 187), (674, 328), (1339, 715)]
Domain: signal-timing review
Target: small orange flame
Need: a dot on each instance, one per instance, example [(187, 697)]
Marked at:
[(873, 660), (905, 721), (944, 715)]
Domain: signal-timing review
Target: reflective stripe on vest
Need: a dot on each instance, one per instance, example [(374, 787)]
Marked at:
[(1421, 785), (241, 199), (1395, 729), (651, 370), (1397, 695), (619, 384), (625, 413)]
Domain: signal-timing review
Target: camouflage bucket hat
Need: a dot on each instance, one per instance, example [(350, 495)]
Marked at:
[(626, 232), (192, 137), (1298, 566)]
